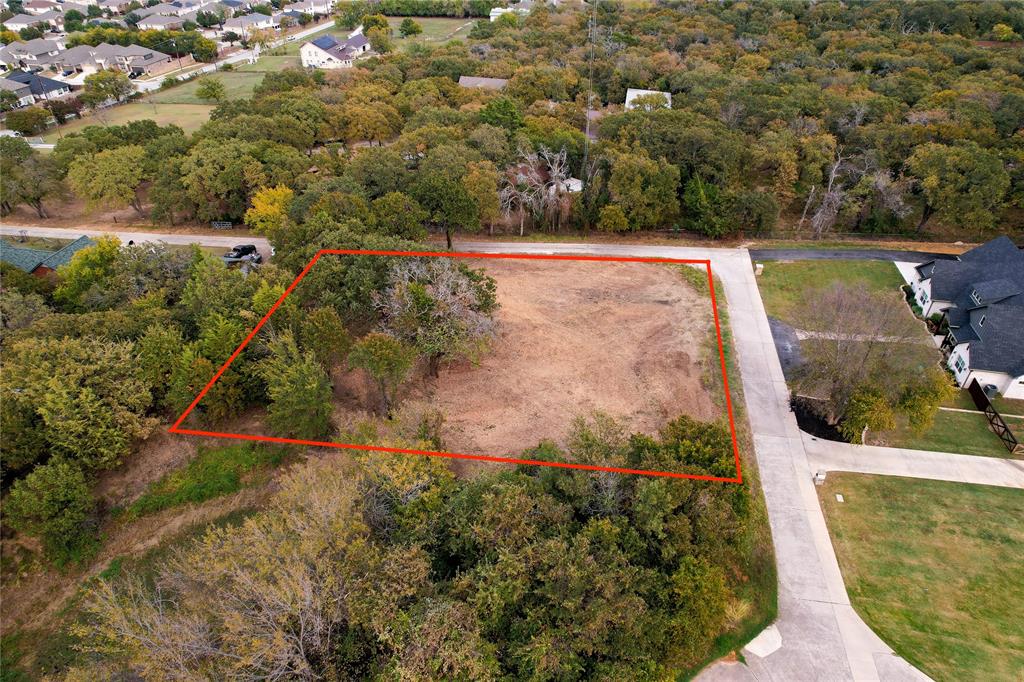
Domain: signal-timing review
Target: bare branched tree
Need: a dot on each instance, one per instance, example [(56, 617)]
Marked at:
[(853, 338)]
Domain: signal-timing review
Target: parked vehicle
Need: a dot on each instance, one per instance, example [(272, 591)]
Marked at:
[(243, 253)]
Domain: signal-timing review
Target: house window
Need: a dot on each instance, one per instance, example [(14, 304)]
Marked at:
[(959, 364), (981, 322), (924, 296), (975, 297)]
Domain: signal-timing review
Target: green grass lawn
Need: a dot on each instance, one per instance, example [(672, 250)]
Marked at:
[(435, 29), (214, 472), (188, 116), (784, 286), (959, 432), (237, 85), (935, 569), (278, 60)]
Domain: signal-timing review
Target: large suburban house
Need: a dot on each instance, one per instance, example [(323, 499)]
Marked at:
[(981, 298), (134, 60), (245, 24), (42, 88), (161, 23), (50, 19), (327, 52), (38, 261), (521, 8), (22, 92), (32, 54), (313, 8)]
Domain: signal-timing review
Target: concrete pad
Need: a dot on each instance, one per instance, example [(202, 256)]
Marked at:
[(766, 643)]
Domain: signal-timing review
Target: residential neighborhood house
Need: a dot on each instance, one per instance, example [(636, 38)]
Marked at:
[(981, 298), (21, 91), (134, 60), (247, 23), (52, 20), (521, 8), (633, 93), (327, 52), (32, 54), (40, 262), (42, 88), (161, 23)]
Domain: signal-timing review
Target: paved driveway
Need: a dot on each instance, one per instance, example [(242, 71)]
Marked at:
[(827, 455)]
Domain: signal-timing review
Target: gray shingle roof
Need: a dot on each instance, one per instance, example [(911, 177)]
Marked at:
[(986, 288)]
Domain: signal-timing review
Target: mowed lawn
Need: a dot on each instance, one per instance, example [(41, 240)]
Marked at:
[(935, 569), (188, 116), (237, 85), (959, 432), (277, 60), (785, 286), (435, 29)]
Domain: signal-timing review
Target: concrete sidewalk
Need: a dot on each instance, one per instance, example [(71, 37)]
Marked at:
[(827, 455)]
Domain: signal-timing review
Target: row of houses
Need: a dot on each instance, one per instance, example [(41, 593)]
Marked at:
[(50, 58)]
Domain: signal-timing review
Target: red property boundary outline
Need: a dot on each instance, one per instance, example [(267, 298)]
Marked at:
[(176, 427)]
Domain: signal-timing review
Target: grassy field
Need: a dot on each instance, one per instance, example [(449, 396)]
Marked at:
[(188, 116), (278, 60), (934, 568), (237, 85), (435, 30), (966, 434), (784, 286)]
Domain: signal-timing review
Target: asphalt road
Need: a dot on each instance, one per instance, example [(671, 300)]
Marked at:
[(818, 635), (847, 254)]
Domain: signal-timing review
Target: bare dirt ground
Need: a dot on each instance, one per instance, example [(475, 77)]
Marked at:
[(573, 338)]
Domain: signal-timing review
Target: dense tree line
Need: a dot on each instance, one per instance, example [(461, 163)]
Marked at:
[(124, 337), (867, 117), (399, 570)]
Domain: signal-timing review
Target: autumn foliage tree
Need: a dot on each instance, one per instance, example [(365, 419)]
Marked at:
[(110, 178), (394, 565), (442, 309), (387, 360)]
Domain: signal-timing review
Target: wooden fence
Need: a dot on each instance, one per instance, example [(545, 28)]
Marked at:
[(995, 420)]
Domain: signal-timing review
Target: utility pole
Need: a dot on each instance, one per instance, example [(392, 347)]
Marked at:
[(591, 29)]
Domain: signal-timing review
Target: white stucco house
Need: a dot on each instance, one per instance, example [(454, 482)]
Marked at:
[(633, 93), (980, 295), (522, 8), (327, 52), (245, 24)]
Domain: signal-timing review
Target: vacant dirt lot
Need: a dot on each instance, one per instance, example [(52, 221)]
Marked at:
[(621, 338)]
